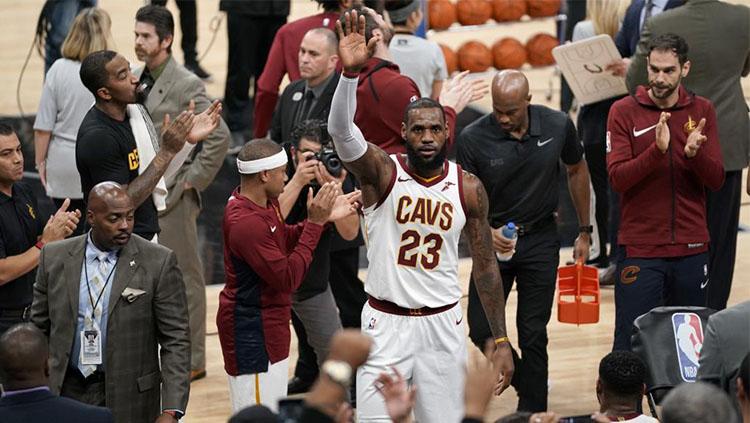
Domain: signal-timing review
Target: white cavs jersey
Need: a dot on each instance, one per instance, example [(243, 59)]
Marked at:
[(412, 239)]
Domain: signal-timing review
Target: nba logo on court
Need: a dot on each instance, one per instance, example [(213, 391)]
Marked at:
[(688, 337)]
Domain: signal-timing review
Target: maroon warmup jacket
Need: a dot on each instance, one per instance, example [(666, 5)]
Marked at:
[(265, 261), (663, 194), (382, 96)]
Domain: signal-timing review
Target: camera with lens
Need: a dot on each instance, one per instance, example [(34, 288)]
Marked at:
[(330, 160)]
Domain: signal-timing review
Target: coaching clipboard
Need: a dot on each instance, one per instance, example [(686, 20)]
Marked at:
[(583, 65)]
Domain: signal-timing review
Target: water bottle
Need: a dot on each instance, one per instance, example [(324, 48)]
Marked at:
[(509, 231)]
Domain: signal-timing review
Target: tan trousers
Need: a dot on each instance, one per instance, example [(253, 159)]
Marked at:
[(179, 232)]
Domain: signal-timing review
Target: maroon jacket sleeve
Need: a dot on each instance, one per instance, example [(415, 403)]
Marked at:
[(624, 168), (707, 163), (251, 240), (268, 86)]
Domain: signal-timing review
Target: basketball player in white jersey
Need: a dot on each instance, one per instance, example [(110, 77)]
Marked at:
[(416, 207)]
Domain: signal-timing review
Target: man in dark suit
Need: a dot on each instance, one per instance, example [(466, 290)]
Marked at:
[(309, 97), (114, 309), (627, 37), (26, 397), (717, 33)]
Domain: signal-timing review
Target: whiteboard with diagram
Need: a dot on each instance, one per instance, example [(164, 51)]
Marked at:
[(583, 64)]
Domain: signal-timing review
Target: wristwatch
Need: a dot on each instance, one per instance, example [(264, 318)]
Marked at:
[(339, 372), (587, 229)]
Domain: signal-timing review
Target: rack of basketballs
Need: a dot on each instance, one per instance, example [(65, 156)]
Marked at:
[(506, 53)]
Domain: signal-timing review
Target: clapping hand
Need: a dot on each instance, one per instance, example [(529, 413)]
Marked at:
[(662, 132), (695, 140), (459, 91), (61, 224), (205, 122)]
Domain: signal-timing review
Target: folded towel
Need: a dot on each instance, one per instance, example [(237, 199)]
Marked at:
[(147, 142)]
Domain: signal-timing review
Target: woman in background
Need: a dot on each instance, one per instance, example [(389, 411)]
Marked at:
[(602, 17), (64, 103)]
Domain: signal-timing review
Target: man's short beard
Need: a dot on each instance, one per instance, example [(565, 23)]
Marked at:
[(423, 167)]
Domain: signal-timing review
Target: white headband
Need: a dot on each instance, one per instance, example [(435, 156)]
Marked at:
[(267, 163)]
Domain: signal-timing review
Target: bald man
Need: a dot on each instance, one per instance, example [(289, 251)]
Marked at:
[(515, 151), (265, 261), (127, 347), (24, 376), (310, 96)]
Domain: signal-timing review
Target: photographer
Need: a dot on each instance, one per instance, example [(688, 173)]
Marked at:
[(315, 318)]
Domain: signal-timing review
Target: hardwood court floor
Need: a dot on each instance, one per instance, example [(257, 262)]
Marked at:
[(574, 352)]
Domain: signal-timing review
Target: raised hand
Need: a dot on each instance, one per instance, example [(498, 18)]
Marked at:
[(175, 133), (353, 49), (662, 132), (399, 397), (695, 140), (480, 383), (204, 123), (459, 91)]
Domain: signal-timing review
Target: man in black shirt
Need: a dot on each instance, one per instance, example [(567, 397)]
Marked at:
[(516, 151), (22, 234), (106, 148), (315, 318)]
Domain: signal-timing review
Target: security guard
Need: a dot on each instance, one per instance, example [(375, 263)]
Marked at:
[(22, 235), (515, 151)]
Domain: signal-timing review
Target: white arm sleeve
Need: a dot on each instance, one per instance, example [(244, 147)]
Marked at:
[(348, 139)]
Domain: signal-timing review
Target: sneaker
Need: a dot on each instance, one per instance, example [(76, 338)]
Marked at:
[(198, 71), (298, 385), (607, 276)]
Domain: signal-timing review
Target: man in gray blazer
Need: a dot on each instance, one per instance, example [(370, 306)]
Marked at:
[(112, 318), (170, 89), (718, 34)]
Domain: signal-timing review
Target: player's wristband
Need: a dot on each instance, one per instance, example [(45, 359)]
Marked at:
[(499, 341), (39, 244)]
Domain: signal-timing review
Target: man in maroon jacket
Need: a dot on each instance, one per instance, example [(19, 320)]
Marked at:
[(265, 261), (663, 151)]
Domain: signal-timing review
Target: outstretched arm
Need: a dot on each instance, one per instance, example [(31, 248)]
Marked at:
[(486, 274), (371, 165)]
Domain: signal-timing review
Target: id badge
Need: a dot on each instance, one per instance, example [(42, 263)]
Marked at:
[(91, 347)]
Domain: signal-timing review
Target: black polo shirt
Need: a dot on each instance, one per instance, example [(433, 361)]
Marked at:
[(106, 151), (521, 176), (20, 226)]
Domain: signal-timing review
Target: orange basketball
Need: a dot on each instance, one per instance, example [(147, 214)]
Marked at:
[(442, 13), (474, 56), (508, 10), (539, 49), (474, 12), (542, 8), (451, 60), (509, 53)]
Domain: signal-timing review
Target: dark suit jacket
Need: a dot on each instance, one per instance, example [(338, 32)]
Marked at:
[(627, 37), (283, 123), (135, 329), (718, 37), (43, 406)]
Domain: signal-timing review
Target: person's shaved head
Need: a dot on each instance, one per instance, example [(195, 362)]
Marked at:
[(330, 38), (110, 213), (23, 357), (510, 101)]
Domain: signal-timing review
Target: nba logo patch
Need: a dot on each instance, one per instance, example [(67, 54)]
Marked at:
[(688, 338), (371, 325)]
